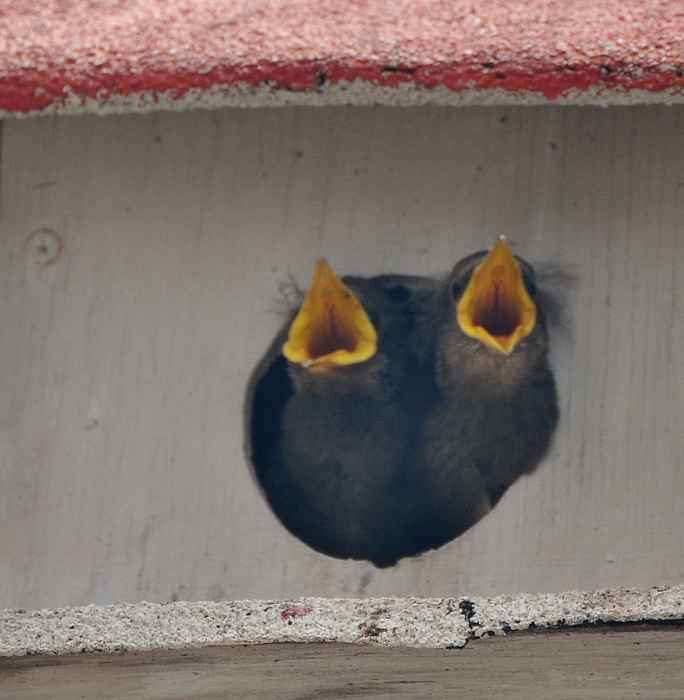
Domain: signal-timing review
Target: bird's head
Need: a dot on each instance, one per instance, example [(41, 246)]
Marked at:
[(490, 319), (492, 294), (335, 344)]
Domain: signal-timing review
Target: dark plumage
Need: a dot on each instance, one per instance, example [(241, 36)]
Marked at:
[(496, 408), (333, 444), (387, 434)]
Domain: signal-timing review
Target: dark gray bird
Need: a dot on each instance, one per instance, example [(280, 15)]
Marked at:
[(496, 406), (334, 420)]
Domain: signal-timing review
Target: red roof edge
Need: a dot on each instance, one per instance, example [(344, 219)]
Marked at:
[(317, 82), (156, 54)]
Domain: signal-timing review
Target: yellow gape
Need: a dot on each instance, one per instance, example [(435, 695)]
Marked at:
[(332, 328), (495, 307)]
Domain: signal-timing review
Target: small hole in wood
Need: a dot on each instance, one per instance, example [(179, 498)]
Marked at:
[(42, 247)]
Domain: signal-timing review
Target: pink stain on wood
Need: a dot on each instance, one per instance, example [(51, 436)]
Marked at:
[(52, 49), (296, 610)]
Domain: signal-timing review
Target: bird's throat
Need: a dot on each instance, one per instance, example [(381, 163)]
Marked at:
[(496, 308), (332, 328)]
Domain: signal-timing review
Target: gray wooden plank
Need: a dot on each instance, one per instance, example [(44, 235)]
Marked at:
[(628, 663)]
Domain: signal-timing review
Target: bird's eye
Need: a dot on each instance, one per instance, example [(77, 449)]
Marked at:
[(530, 282), (398, 294), (528, 276), (456, 289)]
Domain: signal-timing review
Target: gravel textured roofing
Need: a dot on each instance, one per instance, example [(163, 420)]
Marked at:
[(409, 622), (125, 55)]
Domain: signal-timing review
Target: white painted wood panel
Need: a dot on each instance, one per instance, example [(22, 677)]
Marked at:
[(124, 362)]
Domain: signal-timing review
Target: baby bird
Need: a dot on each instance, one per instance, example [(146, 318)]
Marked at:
[(496, 408), (335, 418)]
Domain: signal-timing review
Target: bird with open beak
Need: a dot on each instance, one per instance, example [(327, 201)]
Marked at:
[(336, 412), (496, 407)]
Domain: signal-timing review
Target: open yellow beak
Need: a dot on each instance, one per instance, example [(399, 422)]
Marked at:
[(331, 328), (495, 307)]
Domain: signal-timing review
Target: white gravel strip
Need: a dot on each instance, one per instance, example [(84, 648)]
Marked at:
[(520, 612), (411, 622), (414, 622)]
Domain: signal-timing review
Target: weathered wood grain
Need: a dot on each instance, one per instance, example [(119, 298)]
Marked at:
[(125, 360), (629, 663)]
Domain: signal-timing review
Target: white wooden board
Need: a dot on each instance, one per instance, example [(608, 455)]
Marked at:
[(125, 360)]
